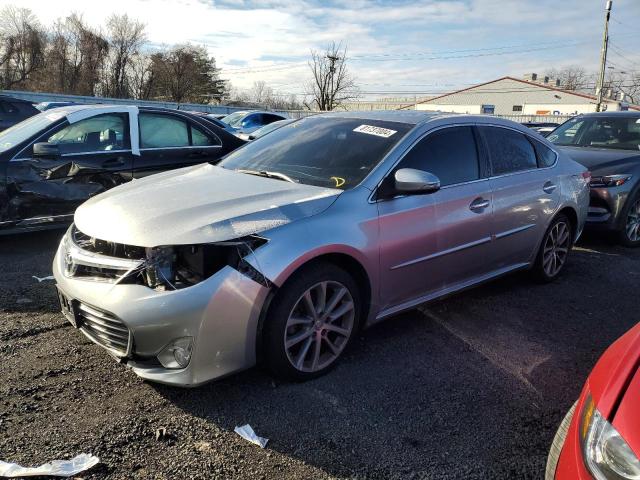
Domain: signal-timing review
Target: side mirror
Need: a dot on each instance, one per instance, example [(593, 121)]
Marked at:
[(44, 149), (411, 181)]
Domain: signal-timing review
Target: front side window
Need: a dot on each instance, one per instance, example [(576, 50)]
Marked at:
[(162, 131), (450, 154), (95, 134), (599, 132), (322, 151), (510, 151)]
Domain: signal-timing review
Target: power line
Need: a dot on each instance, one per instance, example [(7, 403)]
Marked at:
[(618, 51)]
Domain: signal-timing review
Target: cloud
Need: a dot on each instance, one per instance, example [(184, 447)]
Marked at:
[(391, 43)]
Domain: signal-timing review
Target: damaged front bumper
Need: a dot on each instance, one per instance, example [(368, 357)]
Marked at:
[(220, 315)]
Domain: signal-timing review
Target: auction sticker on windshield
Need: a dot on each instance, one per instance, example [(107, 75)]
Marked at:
[(377, 131)]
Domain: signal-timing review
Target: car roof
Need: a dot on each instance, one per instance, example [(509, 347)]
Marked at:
[(411, 117), (14, 99), (621, 114)]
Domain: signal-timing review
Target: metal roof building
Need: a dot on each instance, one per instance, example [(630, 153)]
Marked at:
[(509, 96)]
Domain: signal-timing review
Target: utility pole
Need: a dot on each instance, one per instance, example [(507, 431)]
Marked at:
[(603, 56), (332, 70)]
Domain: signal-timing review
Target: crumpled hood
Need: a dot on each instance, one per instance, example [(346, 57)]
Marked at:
[(603, 161), (198, 204)]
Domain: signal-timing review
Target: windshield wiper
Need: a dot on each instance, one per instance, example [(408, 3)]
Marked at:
[(267, 174)]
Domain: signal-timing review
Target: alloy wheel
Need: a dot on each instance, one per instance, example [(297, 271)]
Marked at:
[(319, 326), (632, 227), (556, 248)]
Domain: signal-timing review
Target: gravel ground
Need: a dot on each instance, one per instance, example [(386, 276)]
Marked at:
[(470, 387)]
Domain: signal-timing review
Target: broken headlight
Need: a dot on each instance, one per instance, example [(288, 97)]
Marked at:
[(171, 268)]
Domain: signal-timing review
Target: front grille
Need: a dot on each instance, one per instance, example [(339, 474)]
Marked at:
[(92, 259), (105, 329)]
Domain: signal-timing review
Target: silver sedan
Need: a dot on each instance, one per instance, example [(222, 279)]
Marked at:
[(282, 251)]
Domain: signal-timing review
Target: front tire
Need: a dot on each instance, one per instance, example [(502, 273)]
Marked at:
[(629, 234), (554, 250), (310, 322), (557, 444)]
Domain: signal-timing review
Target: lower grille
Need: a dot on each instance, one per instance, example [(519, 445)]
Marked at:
[(105, 329)]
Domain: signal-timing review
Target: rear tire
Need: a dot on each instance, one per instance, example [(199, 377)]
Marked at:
[(629, 234), (554, 249), (557, 444), (311, 321)]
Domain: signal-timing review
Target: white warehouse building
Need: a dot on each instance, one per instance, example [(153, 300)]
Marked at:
[(512, 96)]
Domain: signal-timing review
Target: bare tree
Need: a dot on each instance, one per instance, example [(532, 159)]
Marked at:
[(623, 85), (22, 45), (332, 85), (261, 93), (74, 58), (571, 78), (142, 76), (126, 37)]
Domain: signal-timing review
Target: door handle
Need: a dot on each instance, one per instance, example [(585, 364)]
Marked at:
[(549, 187), (113, 162), (478, 205)]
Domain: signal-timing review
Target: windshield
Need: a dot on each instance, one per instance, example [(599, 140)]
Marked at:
[(322, 151), (234, 119), (599, 132), (22, 131)]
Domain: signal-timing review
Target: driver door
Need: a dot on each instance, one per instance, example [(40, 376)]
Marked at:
[(434, 242), (87, 157)]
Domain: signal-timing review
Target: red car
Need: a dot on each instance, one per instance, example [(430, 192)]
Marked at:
[(600, 436)]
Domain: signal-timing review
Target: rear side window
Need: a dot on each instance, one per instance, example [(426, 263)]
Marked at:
[(546, 156), (450, 154), (510, 151), (268, 118), (161, 131), (201, 139)]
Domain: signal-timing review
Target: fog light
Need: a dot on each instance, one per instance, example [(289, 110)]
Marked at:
[(177, 354)]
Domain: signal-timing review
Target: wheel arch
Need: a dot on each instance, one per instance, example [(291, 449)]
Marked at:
[(341, 258), (572, 215)]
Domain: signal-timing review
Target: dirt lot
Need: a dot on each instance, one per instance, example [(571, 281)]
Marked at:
[(470, 387)]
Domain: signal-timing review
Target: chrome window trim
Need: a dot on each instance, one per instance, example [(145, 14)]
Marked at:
[(188, 147), (95, 152), (420, 137)]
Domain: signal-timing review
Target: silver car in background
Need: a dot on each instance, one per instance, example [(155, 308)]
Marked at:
[(290, 244)]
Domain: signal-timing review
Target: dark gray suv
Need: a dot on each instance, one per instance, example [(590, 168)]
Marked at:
[(608, 144)]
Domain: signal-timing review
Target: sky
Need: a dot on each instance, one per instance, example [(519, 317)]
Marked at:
[(394, 48)]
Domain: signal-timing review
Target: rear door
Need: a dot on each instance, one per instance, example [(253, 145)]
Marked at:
[(433, 242), (170, 141), (525, 194), (94, 156)]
